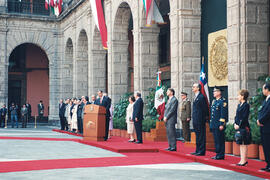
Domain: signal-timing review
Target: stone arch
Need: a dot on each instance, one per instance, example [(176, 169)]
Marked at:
[(47, 41), (98, 74), (120, 52), (81, 66), (67, 70), (28, 76), (40, 39)]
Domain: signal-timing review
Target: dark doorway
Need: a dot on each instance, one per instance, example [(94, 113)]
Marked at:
[(14, 91), (28, 77)]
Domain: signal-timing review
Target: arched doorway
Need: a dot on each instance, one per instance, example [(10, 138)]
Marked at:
[(123, 56), (68, 71), (28, 77), (81, 64)]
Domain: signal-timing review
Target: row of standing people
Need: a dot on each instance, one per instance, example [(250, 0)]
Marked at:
[(218, 118), (15, 113), (71, 112)]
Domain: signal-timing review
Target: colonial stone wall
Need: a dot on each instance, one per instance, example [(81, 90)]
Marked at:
[(16, 31), (78, 63), (248, 40)]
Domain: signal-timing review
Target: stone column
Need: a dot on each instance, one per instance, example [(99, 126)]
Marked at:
[(3, 6), (54, 80), (98, 70), (146, 64), (248, 39), (185, 17), (3, 66)]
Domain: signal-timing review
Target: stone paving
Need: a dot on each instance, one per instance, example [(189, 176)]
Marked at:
[(23, 150)]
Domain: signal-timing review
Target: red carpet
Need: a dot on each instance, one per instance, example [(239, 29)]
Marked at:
[(144, 155), (120, 145), (131, 159)]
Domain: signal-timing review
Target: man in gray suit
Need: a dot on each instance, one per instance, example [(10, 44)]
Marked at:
[(170, 119)]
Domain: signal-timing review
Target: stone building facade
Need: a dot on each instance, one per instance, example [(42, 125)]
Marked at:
[(78, 64)]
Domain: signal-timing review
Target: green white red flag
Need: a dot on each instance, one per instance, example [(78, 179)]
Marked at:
[(159, 91), (55, 5)]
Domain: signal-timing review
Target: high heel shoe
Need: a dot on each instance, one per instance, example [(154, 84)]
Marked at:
[(132, 140), (242, 164)]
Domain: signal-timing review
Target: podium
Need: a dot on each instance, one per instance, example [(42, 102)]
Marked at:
[(94, 122)]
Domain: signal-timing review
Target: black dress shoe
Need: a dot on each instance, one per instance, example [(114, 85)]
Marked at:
[(217, 158), (266, 169), (199, 154), (172, 149), (193, 153), (138, 142), (242, 164)]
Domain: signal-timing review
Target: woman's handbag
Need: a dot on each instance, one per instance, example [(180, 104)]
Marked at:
[(242, 134), (238, 136)]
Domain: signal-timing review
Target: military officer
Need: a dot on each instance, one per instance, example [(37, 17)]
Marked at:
[(185, 115), (219, 117)]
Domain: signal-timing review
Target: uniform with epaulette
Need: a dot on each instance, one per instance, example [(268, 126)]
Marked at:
[(219, 117)]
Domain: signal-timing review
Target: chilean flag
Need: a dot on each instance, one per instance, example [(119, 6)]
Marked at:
[(204, 86), (97, 11)]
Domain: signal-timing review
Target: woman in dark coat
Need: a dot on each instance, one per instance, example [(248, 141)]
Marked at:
[(241, 125)]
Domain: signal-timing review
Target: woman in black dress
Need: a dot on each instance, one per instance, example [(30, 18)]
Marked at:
[(241, 125)]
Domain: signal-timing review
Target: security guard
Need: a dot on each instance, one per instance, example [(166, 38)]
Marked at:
[(219, 117)]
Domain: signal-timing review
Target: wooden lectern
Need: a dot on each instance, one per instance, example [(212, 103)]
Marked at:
[(94, 122)]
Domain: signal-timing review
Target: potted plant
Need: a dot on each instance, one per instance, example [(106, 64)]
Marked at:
[(229, 138), (253, 148), (256, 104)]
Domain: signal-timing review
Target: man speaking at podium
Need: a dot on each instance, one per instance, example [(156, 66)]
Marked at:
[(104, 101)]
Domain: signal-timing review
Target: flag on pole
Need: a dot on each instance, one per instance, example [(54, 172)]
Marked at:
[(55, 5), (203, 83), (97, 11), (47, 2), (152, 13), (159, 91)]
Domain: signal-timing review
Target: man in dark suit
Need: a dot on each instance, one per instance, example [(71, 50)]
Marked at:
[(3, 113), (199, 116), (219, 117), (137, 116), (264, 123), (40, 110), (62, 111), (29, 111), (170, 119), (105, 102)]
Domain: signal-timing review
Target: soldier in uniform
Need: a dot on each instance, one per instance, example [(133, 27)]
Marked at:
[(185, 116), (219, 117)]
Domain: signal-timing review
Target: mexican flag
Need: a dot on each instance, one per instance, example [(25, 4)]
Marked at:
[(55, 5), (159, 92)]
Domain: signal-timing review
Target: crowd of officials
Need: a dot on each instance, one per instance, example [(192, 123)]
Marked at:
[(71, 112), (217, 116), (71, 116)]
